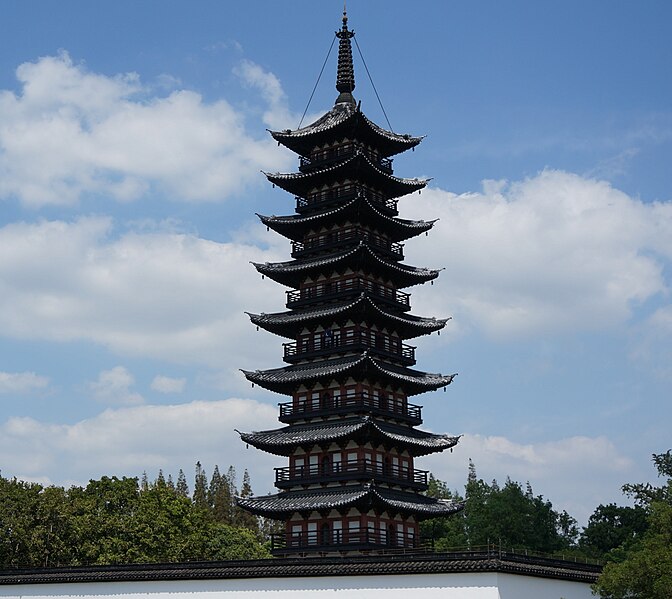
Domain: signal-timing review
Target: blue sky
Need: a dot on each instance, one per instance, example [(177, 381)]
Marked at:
[(132, 136)]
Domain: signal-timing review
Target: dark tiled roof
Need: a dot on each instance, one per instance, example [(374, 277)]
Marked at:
[(294, 226), (365, 496), (286, 380), (353, 565), (283, 441), (291, 273), (344, 120), (406, 325), (357, 167)]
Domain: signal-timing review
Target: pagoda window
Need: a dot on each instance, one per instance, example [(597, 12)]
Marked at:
[(312, 533), (299, 467), (326, 464), (336, 462), (312, 464), (382, 536), (328, 335), (297, 533), (338, 531), (353, 531)]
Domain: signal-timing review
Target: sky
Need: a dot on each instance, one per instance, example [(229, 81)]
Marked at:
[(132, 140)]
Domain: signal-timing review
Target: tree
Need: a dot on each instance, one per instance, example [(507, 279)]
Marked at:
[(200, 488), (244, 518), (182, 487), (219, 497), (613, 527), (646, 570)]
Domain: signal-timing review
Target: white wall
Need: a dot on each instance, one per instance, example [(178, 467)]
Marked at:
[(420, 586)]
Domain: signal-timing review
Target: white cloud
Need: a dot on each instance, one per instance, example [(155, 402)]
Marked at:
[(160, 295), (556, 252), (277, 116), (93, 134), (128, 440), (166, 384), (114, 387), (555, 469), (21, 382)]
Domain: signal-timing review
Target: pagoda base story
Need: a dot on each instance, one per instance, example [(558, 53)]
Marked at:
[(352, 533)]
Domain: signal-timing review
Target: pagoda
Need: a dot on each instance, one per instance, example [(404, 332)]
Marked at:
[(350, 433)]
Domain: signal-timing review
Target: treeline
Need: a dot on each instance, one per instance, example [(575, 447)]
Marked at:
[(635, 542), (126, 520), (514, 518)]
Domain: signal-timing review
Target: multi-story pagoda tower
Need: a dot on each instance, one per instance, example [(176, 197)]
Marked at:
[(351, 484)]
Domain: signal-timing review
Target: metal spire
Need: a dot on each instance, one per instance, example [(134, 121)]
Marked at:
[(345, 75)]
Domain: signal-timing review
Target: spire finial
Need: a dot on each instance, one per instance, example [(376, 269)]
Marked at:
[(345, 75)]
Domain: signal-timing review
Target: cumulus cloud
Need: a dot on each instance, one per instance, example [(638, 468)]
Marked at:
[(115, 387), (159, 295), (554, 468), (277, 116), (128, 440), (555, 252), (166, 384), (21, 382), (97, 135)]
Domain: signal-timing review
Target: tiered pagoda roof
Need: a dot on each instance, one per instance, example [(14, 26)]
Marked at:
[(287, 380), (284, 441), (345, 121), (363, 497), (295, 226), (362, 307), (362, 257), (357, 167)]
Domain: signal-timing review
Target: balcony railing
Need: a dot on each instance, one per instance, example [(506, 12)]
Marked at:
[(347, 539), (335, 239), (329, 405), (332, 471), (342, 194), (337, 341), (325, 158), (323, 292)]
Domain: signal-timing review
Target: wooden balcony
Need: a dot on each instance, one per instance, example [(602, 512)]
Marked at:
[(348, 539), (358, 403), (329, 157), (330, 290), (359, 470), (350, 341), (343, 194), (346, 238)]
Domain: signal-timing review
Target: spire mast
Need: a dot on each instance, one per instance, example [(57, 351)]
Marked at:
[(345, 75)]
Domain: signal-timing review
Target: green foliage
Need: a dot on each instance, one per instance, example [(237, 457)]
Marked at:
[(447, 533), (119, 520), (645, 571), (508, 516), (612, 529)]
